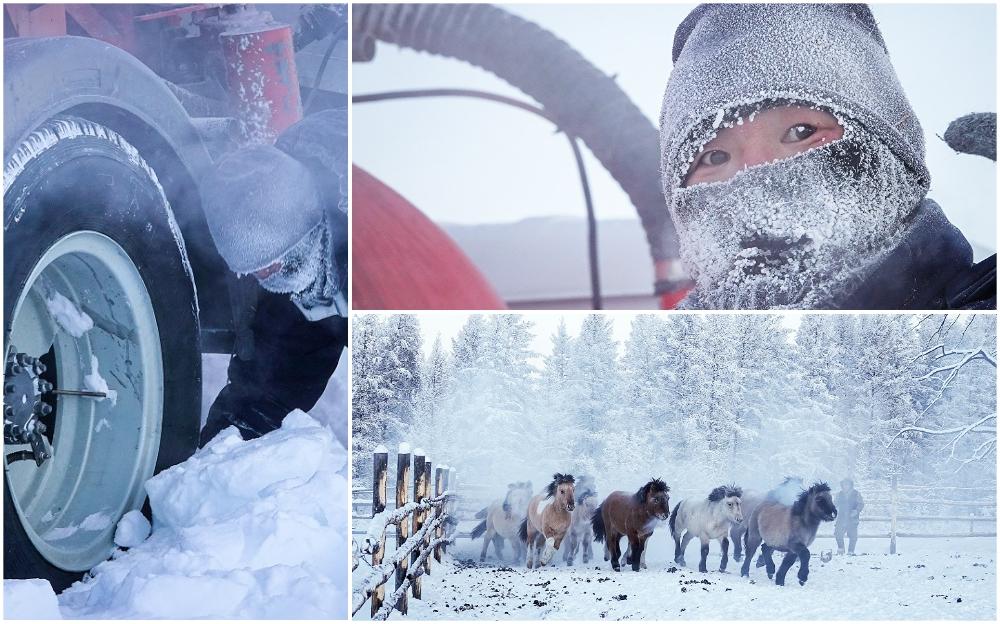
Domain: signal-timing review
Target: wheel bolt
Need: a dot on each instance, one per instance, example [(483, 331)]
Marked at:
[(45, 409), (8, 411), (39, 368), (15, 369), (8, 389)]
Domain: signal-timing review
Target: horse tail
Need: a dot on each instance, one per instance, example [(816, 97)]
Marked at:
[(482, 513), (523, 531), (479, 530), (673, 520), (597, 522)]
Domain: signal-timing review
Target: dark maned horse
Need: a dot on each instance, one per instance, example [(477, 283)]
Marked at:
[(633, 516), (786, 491), (788, 528)]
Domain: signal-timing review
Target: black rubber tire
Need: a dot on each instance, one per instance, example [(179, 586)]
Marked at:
[(112, 191)]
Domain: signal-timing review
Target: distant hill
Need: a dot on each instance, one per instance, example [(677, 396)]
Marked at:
[(545, 259)]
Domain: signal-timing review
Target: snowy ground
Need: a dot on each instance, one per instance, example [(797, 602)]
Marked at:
[(254, 529), (928, 579)]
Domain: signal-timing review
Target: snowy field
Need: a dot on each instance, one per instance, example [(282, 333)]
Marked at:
[(928, 579), (242, 530)]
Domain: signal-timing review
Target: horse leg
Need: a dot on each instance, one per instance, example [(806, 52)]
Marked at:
[(803, 565), (736, 534), (753, 541), (607, 549), (616, 551), (678, 551), (568, 554), (588, 548), (498, 546), (486, 542), (644, 549), (683, 547), (550, 549), (638, 553), (767, 554), (703, 564), (530, 544), (725, 553), (786, 563)]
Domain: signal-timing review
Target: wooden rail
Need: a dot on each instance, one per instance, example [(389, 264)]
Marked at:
[(423, 528)]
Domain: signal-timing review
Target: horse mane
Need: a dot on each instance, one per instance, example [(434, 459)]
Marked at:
[(799, 506), (654, 486), (725, 491), (584, 494), (557, 480)]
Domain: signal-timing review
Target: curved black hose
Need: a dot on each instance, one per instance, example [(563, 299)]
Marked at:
[(582, 100), (596, 300)]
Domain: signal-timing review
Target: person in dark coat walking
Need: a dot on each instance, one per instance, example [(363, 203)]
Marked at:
[(278, 215), (794, 168), (849, 505)]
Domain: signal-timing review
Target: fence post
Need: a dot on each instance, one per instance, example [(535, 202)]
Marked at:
[(438, 491), (419, 494), (446, 507), (403, 528), (893, 501), (380, 478), (428, 488)]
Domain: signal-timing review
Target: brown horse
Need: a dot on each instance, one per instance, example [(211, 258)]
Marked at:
[(633, 516), (788, 528), (550, 515)]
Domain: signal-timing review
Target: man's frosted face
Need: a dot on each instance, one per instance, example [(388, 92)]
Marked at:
[(769, 135)]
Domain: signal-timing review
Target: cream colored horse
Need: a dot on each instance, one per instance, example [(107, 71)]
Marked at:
[(503, 520), (550, 515)]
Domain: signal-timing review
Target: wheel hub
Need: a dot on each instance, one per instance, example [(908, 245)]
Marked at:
[(23, 406)]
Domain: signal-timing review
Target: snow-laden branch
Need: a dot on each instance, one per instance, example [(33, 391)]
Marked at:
[(381, 573), (982, 451), (416, 569)]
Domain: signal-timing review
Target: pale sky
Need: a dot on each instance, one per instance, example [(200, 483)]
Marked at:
[(544, 325), (465, 161)]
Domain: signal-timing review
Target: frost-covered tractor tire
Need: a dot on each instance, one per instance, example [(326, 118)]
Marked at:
[(85, 215)]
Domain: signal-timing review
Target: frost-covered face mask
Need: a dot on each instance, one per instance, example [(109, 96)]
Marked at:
[(302, 265), (802, 232)]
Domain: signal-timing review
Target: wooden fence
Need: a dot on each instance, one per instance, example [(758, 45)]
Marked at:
[(422, 529)]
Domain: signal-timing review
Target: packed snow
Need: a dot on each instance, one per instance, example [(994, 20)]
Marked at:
[(927, 579), (242, 530), (95, 382), (70, 318), (31, 599)]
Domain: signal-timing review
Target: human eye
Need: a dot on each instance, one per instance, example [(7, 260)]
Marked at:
[(798, 132), (713, 158)]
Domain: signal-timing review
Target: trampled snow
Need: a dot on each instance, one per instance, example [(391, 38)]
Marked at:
[(243, 529), (946, 578), (31, 599)]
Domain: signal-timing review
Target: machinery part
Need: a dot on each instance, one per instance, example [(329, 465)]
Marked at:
[(586, 102), (87, 227), (260, 69), (23, 404), (975, 133), (83, 78), (596, 301), (404, 235)]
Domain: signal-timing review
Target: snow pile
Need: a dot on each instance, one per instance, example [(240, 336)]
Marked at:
[(70, 318), (132, 529), (252, 529), (31, 599)]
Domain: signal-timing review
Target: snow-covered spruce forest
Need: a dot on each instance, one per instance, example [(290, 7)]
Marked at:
[(695, 399)]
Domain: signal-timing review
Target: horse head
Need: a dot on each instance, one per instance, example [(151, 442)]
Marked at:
[(518, 496), (655, 498), (731, 499), (817, 502), (563, 489)]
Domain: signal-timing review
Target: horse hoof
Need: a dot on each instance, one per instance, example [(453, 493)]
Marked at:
[(771, 576), (738, 557), (801, 582), (702, 569)]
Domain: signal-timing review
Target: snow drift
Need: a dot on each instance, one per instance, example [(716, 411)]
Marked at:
[(253, 529)]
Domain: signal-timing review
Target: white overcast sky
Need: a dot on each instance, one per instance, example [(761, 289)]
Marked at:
[(465, 161), (544, 325)]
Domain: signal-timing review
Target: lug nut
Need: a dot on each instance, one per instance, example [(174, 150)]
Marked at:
[(39, 367), (15, 369), (8, 411), (40, 427), (23, 359), (46, 409), (9, 388)]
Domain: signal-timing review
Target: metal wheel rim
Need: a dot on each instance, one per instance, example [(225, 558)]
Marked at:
[(103, 452)]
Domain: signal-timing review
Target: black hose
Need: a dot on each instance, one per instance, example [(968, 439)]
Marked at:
[(583, 101)]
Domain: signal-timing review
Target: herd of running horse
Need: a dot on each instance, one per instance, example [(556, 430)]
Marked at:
[(567, 512)]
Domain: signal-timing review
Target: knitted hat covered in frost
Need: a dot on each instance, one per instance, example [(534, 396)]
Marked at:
[(833, 55), (259, 203)]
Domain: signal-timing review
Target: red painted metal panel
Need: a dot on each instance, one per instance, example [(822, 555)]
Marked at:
[(45, 20), (263, 82), (402, 261)]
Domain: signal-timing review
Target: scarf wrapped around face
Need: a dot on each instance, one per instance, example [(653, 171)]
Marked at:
[(803, 232)]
